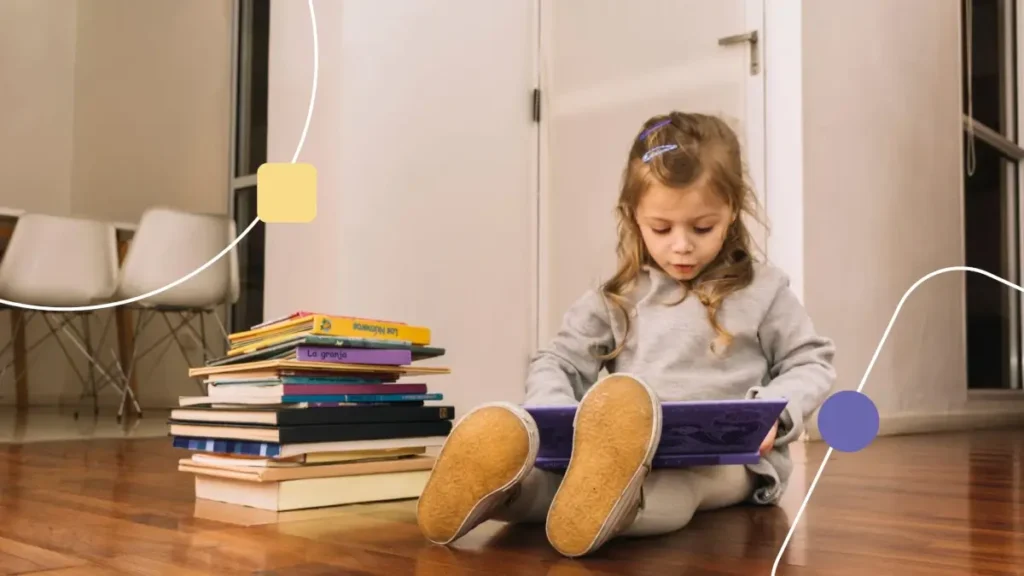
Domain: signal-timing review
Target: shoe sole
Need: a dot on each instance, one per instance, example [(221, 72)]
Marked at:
[(486, 454), (616, 433)]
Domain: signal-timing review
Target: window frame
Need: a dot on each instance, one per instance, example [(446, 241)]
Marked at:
[(242, 68), (1009, 146)]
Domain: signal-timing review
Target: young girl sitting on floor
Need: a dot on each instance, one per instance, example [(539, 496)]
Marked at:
[(689, 315)]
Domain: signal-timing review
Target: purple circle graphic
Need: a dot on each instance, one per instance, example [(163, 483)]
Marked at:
[(848, 421)]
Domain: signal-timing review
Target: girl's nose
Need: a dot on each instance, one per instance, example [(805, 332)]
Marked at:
[(681, 244)]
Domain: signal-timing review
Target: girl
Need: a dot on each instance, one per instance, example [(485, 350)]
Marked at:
[(689, 315)]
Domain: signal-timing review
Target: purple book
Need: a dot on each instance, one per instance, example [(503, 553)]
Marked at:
[(339, 355), (333, 389), (692, 433)]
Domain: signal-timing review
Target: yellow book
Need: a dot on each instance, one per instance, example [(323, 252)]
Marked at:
[(306, 493), (323, 325)]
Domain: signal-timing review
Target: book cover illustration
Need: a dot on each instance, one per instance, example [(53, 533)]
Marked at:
[(693, 433)]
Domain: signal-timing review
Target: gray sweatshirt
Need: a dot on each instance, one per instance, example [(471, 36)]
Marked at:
[(775, 353)]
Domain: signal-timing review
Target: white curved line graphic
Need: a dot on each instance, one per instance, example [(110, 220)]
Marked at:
[(864, 379), (186, 278)]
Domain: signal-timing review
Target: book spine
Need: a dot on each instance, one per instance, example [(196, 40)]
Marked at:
[(349, 389), (316, 381), (320, 378), (337, 355), (363, 431), (346, 404), (296, 380), (288, 399), (237, 447), (408, 412), (357, 328)]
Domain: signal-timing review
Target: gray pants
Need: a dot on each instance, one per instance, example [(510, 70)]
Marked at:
[(671, 496)]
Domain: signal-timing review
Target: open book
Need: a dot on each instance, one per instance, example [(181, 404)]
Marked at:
[(697, 433)]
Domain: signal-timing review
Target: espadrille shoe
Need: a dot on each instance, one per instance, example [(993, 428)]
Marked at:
[(479, 469), (615, 435)]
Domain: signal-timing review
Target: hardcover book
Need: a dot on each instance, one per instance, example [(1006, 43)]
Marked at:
[(310, 433), (286, 349), (693, 433), (275, 416)]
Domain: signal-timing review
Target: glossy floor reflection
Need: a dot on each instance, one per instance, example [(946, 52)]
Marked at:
[(49, 424), (936, 505)]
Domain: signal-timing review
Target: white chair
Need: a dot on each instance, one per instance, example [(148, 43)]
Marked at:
[(59, 261), (9, 216), (168, 245)]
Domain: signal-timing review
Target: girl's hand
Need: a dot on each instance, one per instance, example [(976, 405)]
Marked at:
[(769, 440)]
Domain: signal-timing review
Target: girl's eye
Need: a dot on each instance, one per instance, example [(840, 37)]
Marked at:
[(703, 230), (656, 231)]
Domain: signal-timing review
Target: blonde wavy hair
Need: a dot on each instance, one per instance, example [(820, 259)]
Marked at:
[(705, 147)]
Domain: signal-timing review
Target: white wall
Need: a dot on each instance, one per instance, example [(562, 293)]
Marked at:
[(784, 146), (423, 144), (152, 106), (882, 198), (37, 59), (109, 107)]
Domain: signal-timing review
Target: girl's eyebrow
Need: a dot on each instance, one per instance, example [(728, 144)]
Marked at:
[(705, 216)]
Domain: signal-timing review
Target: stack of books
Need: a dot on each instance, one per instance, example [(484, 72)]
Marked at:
[(310, 411)]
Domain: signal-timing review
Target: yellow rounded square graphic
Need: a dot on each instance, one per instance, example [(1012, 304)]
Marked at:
[(286, 192)]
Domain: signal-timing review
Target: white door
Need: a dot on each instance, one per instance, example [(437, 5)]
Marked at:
[(606, 66), (425, 153)]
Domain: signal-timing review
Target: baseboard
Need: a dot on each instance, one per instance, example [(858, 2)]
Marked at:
[(903, 424)]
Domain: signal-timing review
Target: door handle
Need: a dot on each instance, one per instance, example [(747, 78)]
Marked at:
[(749, 37)]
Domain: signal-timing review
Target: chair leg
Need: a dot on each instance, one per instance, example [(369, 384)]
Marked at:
[(90, 353), (187, 323), (94, 364), (20, 361), (127, 372), (58, 323), (223, 335), (47, 317), (223, 330), (125, 343), (19, 320), (202, 336)]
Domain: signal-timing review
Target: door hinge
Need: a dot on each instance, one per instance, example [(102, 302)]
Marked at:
[(536, 104), (750, 37)]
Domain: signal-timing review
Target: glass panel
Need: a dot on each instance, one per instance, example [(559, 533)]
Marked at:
[(993, 69), (248, 311), (253, 54), (990, 233)]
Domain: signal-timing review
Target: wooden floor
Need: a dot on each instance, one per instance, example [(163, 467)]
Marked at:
[(934, 505)]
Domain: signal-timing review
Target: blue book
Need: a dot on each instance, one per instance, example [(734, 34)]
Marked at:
[(695, 433), (357, 437)]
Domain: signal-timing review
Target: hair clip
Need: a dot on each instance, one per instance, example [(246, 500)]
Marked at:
[(653, 128), (658, 151)]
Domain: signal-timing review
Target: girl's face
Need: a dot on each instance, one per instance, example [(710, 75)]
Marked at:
[(683, 229)]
